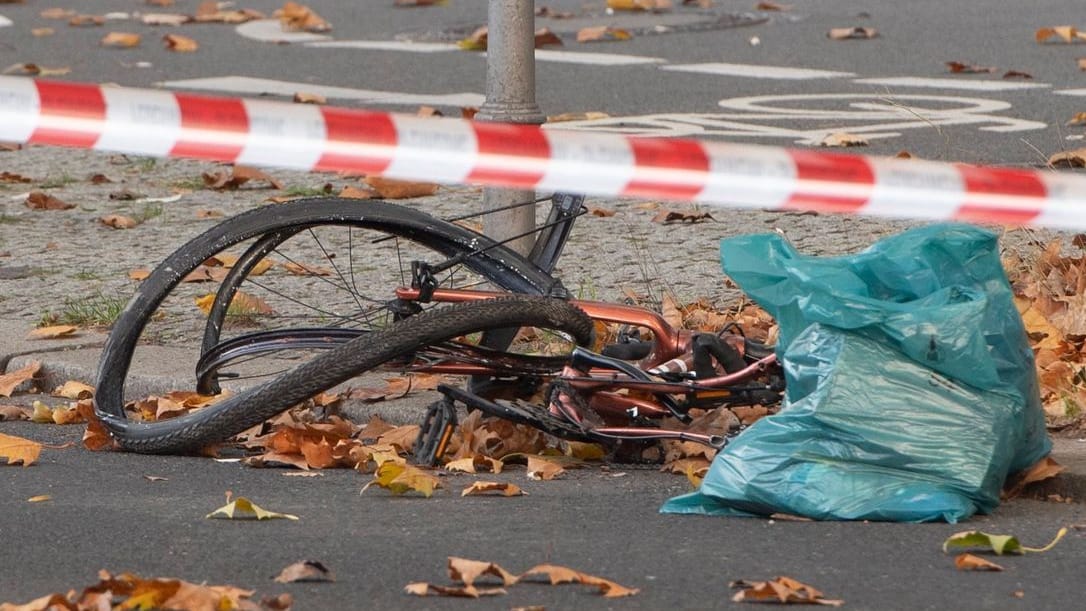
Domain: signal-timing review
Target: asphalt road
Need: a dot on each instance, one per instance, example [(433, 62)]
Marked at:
[(687, 69), (105, 514)]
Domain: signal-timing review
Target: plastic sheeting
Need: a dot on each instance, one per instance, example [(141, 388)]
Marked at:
[(911, 389)]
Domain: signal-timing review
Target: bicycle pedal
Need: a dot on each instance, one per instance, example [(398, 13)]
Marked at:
[(434, 434)]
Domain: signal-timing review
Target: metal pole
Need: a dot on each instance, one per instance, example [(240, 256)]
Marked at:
[(510, 98)]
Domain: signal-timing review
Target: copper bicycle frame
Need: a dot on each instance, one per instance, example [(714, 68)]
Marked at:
[(601, 388)]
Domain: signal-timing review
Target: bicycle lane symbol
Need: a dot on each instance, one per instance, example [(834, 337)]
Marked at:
[(808, 118)]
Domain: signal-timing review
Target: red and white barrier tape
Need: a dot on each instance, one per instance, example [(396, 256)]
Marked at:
[(277, 134)]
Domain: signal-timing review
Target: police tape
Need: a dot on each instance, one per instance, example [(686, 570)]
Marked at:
[(323, 138)]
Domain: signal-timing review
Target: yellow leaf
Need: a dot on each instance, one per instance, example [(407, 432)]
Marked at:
[(43, 414), (244, 509), (121, 40), (400, 478), (603, 33), (19, 450), (52, 332), (476, 41), (39, 499)]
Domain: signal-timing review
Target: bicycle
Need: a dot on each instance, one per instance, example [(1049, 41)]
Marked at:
[(349, 332)]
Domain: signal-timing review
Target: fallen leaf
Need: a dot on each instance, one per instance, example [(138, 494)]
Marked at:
[(639, 5), (57, 13), (1081, 63), (467, 571), (476, 41), (309, 98), (481, 488), (37, 200), (1066, 33), (74, 390), (772, 6), (852, 33), (209, 214), (475, 462), (603, 212), (388, 188), (1044, 469), (18, 450), (244, 509), (963, 68), (121, 40), (118, 221), (16, 178), (305, 570), (540, 468), (400, 478), (96, 437), (559, 574), (13, 412), (1017, 74), (602, 33), (1000, 544), (242, 305), (1079, 118), (42, 413), (301, 269), (79, 21), (173, 19), (180, 44), (969, 562), (39, 498), (429, 589), (155, 478), (843, 139), (1068, 159), (544, 37), (780, 590), (139, 274), (578, 116), (294, 17), (52, 332), (672, 216), (12, 380), (29, 69)]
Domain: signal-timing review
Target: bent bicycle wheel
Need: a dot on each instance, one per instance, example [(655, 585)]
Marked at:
[(331, 367), (273, 287)]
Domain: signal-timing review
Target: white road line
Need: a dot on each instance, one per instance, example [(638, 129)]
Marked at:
[(1075, 92), (257, 86), (386, 45), (755, 71), (594, 59), (4, 21), (950, 83)]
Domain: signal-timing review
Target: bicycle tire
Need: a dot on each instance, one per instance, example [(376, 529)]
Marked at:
[(497, 264), (235, 414)]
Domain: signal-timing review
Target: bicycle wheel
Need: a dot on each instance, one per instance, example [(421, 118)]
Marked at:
[(295, 271), (331, 367)]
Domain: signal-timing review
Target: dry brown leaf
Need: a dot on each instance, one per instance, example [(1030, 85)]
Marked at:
[(13, 412), (550, 13), (74, 390), (418, 2), (843, 139), (28, 69), (780, 590), (467, 571), (1017, 74), (39, 200), (302, 97), (11, 177), (639, 5), (603, 33), (544, 37), (95, 437), (294, 17), (57, 13), (559, 574), (388, 188), (1066, 33), (41, 498), (541, 468), (1044, 469), (118, 221), (180, 44), (18, 450), (121, 40), (474, 464), (53, 332), (969, 562), (242, 305), (79, 21), (42, 32), (1081, 63), (852, 33), (481, 488), (305, 571), (1068, 159), (681, 216), (772, 6), (173, 19), (429, 589), (963, 68), (12, 380), (604, 212), (209, 214)]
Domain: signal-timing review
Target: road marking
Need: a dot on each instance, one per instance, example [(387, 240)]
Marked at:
[(1076, 92), (594, 59), (258, 86), (4, 21), (950, 83), (386, 45), (874, 116), (755, 71)]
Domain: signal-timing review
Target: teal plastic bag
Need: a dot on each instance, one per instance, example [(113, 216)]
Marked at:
[(911, 388)]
